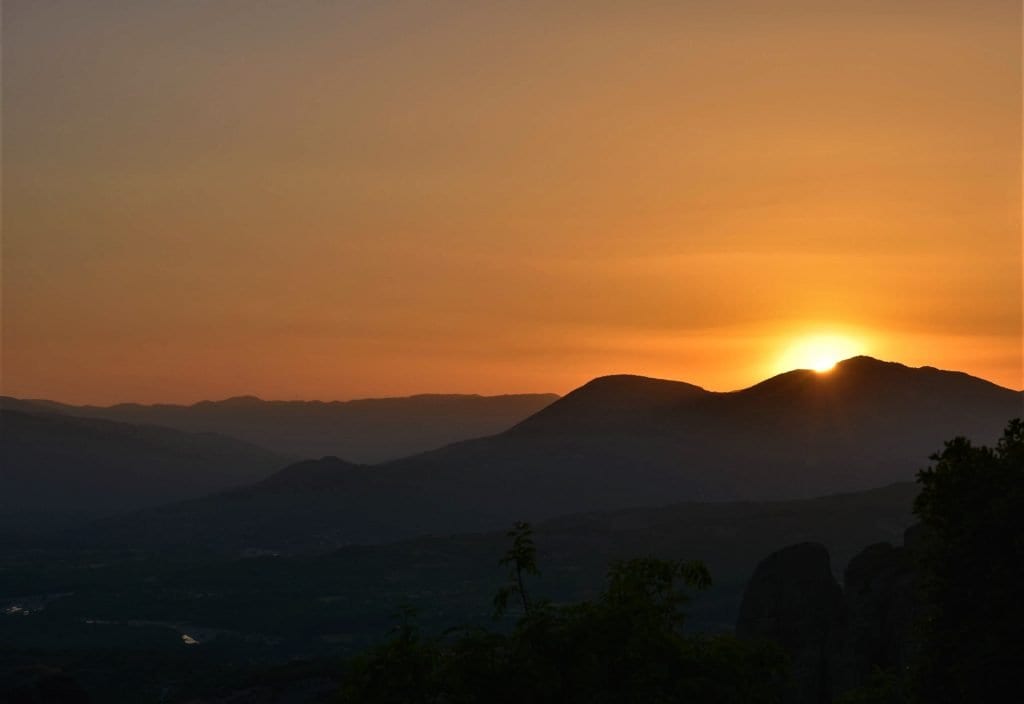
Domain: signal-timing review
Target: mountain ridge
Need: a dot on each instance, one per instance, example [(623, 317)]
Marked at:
[(361, 430), (56, 466), (798, 435)]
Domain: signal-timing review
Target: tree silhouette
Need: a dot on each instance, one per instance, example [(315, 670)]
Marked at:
[(972, 506), (627, 646), (521, 559)]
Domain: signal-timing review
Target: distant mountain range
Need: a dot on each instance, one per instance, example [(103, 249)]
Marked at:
[(616, 442), (367, 430), (58, 468)]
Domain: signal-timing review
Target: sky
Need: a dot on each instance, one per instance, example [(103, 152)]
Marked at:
[(334, 200)]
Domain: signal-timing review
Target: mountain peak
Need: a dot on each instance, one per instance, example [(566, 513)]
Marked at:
[(632, 383), (868, 368), (610, 401), (310, 474), (860, 379), (236, 401), (863, 362)]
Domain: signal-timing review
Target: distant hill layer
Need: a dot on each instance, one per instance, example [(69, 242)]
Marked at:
[(367, 430), (57, 467), (615, 442)]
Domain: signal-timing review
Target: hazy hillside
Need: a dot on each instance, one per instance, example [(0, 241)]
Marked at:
[(57, 468), (615, 442), (367, 430)]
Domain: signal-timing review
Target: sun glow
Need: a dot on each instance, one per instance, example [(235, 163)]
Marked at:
[(819, 352)]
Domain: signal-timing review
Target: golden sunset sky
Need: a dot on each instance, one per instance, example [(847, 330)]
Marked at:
[(310, 199)]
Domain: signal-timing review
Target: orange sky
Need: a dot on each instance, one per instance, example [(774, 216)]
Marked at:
[(333, 200)]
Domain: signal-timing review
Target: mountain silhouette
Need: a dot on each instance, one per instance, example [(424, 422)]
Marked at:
[(630, 440), (611, 402), (327, 472), (57, 467), (365, 430), (618, 442)]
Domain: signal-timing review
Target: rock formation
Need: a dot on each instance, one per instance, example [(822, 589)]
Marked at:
[(794, 600), (835, 637)]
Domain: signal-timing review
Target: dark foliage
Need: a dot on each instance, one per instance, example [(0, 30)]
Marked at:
[(972, 505), (626, 646), (882, 687), (45, 686)]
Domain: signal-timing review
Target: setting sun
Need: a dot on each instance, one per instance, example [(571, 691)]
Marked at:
[(819, 352)]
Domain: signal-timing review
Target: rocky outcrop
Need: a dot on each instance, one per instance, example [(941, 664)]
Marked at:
[(835, 637), (878, 616), (794, 600)]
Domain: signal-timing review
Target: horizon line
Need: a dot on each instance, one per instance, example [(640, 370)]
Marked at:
[(557, 395)]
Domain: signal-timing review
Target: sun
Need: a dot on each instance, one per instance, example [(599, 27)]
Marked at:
[(819, 352)]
